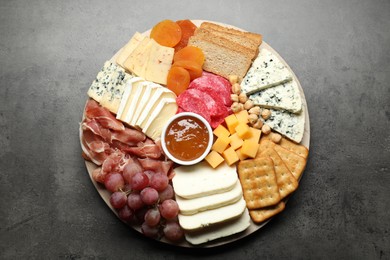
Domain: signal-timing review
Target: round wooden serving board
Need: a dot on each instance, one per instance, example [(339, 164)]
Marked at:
[(253, 227)]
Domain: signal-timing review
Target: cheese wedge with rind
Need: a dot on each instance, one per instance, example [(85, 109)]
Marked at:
[(201, 180), (129, 48), (219, 231), (127, 98), (211, 217), (192, 206)]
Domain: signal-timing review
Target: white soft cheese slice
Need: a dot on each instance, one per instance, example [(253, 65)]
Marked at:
[(284, 96), (139, 88), (159, 94), (127, 98), (213, 216), (129, 48), (201, 180), (266, 71), (165, 109), (192, 206), (288, 124), (150, 88), (219, 231)]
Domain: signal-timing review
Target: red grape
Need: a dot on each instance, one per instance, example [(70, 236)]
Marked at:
[(172, 231), (139, 181), (152, 217), (126, 214), (130, 170), (149, 231), (118, 199), (169, 209), (159, 181), (114, 181), (166, 194), (134, 201), (149, 196)]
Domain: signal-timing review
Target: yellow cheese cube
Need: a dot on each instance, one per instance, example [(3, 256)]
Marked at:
[(230, 156), (243, 131), (256, 134), (231, 123), (242, 116), (235, 141), (220, 144), (221, 131), (249, 148), (240, 155), (214, 159)]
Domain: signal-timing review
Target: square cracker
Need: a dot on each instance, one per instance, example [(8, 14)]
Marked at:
[(295, 163), (260, 215), (287, 144), (258, 181), (286, 181)]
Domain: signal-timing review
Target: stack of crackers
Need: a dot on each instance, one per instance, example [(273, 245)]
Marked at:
[(271, 177)]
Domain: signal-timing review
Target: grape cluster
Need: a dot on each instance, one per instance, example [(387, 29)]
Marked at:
[(146, 198)]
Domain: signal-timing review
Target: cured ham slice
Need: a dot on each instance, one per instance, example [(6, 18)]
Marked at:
[(147, 149), (102, 115), (157, 166), (128, 136)]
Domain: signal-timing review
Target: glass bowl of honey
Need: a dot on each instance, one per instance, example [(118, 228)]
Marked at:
[(187, 138)]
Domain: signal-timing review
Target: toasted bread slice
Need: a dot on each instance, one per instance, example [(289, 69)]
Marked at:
[(257, 38)]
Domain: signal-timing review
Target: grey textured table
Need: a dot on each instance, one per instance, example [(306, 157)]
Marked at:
[(50, 51)]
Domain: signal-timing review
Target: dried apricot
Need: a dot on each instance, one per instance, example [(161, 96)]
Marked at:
[(166, 33), (178, 80), (187, 30), (190, 53), (192, 67)]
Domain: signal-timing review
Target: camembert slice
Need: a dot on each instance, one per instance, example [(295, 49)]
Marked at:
[(128, 95)]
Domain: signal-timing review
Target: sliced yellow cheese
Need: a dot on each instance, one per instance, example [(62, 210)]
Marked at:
[(235, 141), (242, 116), (255, 134), (230, 156), (221, 144), (127, 98), (166, 108), (231, 123), (138, 59), (159, 63), (249, 148), (221, 131), (243, 131), (214, 159), (129, 48)]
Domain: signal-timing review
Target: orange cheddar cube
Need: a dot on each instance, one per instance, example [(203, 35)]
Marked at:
[(240, 155), (243, 131), (220, 144), (256, 134), (221, 131), (249, 148), (242, 116), (230, 156), (235, 141), (214, 159), (231, 123)]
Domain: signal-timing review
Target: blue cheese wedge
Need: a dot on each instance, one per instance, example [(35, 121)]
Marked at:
[(285, 96), (288, 124), (266, 71)]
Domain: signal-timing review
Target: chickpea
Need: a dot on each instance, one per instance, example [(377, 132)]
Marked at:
[(233, 79), (248, 104), (265, 129), (242, 98), (236, 88), (252, 118), (236, 107), (255, 110), (234, 97), (276, 138), (265, 114), (259, 124)]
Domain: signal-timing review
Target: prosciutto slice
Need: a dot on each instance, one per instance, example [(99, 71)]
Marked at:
[(102, 115)]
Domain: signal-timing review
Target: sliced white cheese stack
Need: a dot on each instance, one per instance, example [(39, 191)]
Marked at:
[(201, 180), (266, 71), (284, 96)]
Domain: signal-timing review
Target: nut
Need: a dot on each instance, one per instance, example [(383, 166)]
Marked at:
[(248, 104), (236, 88), (265, 114), (255, 110), (233, 79), (276, 138), (236, 107), (234, 97), (266, 129), (252, 118), (242, 98), (259, 124)]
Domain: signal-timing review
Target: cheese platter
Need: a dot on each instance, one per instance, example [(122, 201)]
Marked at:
[(258, 115)]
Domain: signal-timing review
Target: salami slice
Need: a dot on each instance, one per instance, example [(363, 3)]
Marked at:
[(217, 87), (190, 103)]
